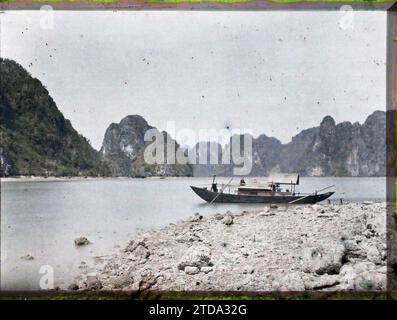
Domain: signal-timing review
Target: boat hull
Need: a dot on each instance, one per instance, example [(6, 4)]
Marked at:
[(209, 196)]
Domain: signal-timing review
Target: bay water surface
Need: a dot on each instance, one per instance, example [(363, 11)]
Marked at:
[(42, 218)]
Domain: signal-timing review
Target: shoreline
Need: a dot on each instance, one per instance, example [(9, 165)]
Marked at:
[(299, 248), (77, 178), (88, 178)]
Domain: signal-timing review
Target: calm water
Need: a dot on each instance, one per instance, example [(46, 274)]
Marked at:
[(43, 218)]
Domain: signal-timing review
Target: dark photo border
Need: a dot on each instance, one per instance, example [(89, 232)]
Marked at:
[(391, 139)]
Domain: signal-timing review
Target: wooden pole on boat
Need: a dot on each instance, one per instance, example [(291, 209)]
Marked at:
[(309, 195), (221, 191)]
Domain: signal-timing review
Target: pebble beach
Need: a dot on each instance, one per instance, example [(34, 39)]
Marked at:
[(321, 247)]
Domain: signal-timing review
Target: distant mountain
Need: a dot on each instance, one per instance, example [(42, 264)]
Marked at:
[(343, 149), (266, 155), (37, 140), (35, 137), (331, 149), (206, 158), (123, 150)]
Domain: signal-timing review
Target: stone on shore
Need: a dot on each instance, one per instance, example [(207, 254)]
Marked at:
[(121, 281), (218, 216), (133, 245), (73, 287), (196, 218), (292, 282), (227, 220), (93, 283), (195, 256), (27, 257), (321, 260), (191, 270), (206, 269), (81, 241), (323, 282), (137, 251)]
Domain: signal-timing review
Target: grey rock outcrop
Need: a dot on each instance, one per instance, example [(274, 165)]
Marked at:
[(343, 149), (331, 149), (123, 150)]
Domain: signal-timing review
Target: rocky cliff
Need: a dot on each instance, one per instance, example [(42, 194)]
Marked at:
[(35, 137), (331, 149), (206, 158), (37, 140), (124, 146), (343, 149)]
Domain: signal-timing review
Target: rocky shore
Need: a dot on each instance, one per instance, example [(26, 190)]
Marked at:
[(325, 247)]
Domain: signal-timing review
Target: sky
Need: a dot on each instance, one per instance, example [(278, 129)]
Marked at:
[(266, 72)]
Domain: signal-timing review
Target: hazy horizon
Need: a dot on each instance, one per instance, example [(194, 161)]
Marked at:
[(275, 73)]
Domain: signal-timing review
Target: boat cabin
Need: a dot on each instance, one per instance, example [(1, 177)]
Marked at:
[(273, 186)]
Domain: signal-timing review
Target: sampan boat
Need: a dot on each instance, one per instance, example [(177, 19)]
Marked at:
[(269, 193)]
